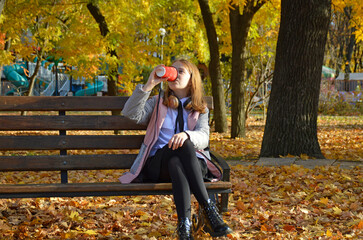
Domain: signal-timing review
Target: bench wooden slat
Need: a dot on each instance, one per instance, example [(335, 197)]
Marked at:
[(70, 142), (43, 103), (99, 187), (12, 123), (66, 162), (52, 103)]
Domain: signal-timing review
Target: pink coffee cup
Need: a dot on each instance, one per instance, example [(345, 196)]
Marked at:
[(170, 73)]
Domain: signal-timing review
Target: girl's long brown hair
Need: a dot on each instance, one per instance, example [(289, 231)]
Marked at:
[(196, 91)]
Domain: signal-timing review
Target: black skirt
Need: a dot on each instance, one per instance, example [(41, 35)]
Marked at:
[(155, 169)]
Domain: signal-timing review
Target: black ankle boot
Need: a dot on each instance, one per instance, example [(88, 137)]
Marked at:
[(185, 229), (214, 223)]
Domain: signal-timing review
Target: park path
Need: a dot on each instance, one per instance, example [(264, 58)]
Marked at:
[(309, 163)]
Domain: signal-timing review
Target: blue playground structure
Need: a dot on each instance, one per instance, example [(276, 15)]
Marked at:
[(46, 83), (90, 89), (16, 75)]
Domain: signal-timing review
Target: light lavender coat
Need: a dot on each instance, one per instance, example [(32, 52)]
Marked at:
[(142, 110)]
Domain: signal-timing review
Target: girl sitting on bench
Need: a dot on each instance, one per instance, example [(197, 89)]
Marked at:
[(174, 148)]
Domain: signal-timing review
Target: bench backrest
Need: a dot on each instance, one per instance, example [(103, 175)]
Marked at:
[(64, 116)]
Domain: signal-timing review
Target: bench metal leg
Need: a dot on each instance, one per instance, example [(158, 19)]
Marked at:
[(64, 176), (224, 202), (221, 201)]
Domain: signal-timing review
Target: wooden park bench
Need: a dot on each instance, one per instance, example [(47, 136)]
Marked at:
[(47, 129)]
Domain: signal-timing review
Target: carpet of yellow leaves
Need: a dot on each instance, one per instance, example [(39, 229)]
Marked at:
[(293, 202), (289, 202), (340, 138)]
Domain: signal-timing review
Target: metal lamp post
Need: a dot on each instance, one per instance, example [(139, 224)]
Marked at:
[(162, 32)]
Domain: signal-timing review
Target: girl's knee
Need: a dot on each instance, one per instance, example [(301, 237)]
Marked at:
[(188, 145), (174, 165)]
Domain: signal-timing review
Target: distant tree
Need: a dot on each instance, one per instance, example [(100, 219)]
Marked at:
[(101, 21), (291, 126), (220, 115), (345, 40), (345, 37), (2, 3), (31, 31), (240, 22)]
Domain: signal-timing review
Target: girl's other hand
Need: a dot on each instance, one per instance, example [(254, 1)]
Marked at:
[(177, 140)]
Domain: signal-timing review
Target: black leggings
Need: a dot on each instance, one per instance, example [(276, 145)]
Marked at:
[(184, 169)]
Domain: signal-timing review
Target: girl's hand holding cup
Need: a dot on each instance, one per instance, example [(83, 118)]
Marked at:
[(159, 74)]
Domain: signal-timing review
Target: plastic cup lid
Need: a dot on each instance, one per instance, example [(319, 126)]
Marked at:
[(160, 71)]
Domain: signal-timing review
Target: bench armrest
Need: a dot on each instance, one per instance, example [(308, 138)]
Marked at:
[(223, 164)]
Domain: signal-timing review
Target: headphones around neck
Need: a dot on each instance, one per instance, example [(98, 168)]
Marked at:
[(173, 102)]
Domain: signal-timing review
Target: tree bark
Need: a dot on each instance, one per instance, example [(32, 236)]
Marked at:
[(291, 126), (102, 24), (2, 4), (240, 25), (220, 115), (349, 53), (33, 76), (350, 41)]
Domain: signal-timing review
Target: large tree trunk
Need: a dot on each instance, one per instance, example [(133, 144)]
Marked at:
[(291, 126), (113, 72), (240, 25), (220, 116)]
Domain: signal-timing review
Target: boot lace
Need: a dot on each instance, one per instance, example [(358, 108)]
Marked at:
[(213, 215)]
